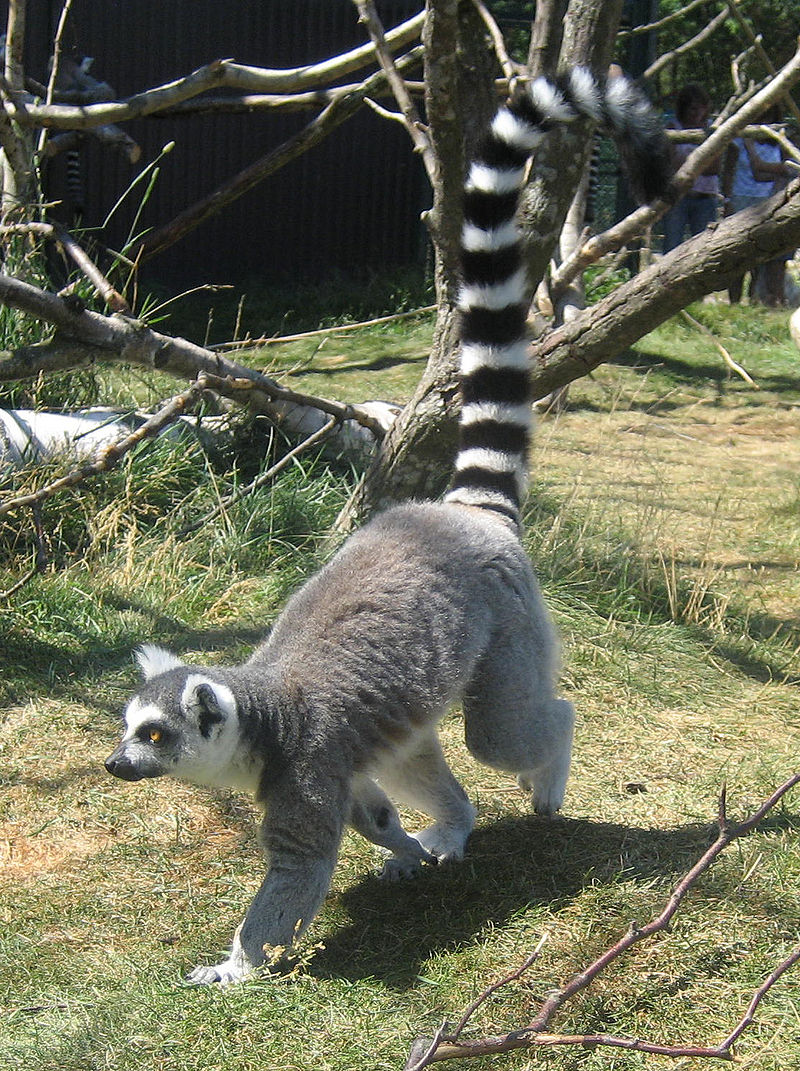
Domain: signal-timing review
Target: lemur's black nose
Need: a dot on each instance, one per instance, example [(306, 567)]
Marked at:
[(122, 767)]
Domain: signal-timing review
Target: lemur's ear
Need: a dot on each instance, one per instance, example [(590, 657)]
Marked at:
[(207, 701), (154, 660)]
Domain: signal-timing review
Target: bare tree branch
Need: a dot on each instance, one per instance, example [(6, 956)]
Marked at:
[(58, 41), (84, 336), (339, 110), (699, 266), (535, 1035), (758, 48), (546, 37), (673, 16), (14, 70), (413, 123), (511, 70), (115, 301), (638, 221), (216, 75), (17, 174), (237, 103), (687, 46)]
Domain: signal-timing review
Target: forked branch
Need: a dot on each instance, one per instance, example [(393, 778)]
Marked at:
[(536, 1034), (219, 74), (645, 216)]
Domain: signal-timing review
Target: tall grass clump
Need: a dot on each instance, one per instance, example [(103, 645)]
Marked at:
[(124, 565)]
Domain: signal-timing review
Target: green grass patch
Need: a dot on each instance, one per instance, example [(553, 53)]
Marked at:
[(663, 523)]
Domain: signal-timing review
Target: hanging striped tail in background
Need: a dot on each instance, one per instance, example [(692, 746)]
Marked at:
[(491, 468)]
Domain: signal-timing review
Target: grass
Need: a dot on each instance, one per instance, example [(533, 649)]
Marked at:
[(663, 522)]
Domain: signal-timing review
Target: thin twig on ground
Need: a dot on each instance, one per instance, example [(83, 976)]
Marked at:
[(536, 1035), (512, 976), (338, 329), (729, 361), (263, 477)]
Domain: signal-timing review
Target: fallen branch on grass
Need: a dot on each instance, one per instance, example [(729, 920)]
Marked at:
[(729, 361), (83, 337), (108, 457), (449, 1046)]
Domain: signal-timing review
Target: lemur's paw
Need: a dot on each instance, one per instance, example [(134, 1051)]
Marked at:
[(400, 867), (446, 843), (546, 796), (227, 973), (395, 869)]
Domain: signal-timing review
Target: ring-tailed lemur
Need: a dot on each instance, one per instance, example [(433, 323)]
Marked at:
[(427, 605)]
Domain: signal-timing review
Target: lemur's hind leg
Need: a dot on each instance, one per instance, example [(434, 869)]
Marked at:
[(546, 779), (513, 721), (422, 779), (373, 815)]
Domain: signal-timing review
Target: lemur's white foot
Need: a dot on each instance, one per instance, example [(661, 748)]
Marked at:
[(236, 968)]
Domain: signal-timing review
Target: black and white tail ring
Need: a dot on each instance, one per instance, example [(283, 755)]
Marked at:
[(491, 467)]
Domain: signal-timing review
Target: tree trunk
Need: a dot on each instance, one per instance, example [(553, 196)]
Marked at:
[(17, 145), (414, 459), (589, 31)]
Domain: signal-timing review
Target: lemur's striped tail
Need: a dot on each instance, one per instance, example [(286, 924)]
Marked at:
[(491, 467)]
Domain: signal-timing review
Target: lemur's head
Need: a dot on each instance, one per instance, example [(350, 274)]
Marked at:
[(182, 722)]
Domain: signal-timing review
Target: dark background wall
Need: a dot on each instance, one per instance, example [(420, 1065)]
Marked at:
[(351, 204)]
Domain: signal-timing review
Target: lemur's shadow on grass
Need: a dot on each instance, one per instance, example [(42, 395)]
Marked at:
[(512, 864)]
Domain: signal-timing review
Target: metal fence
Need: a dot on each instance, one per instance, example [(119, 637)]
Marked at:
[(353, 202)]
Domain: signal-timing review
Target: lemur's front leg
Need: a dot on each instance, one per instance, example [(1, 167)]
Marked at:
[(300, 833), (374, 816)]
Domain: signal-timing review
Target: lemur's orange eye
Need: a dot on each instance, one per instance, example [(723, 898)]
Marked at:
[(155, 736)]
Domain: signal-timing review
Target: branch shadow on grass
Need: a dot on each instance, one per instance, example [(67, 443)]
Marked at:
[(512, 865), (692, 373), (689, 375)]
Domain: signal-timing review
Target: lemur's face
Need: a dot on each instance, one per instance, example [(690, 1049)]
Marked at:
[(181, 722)]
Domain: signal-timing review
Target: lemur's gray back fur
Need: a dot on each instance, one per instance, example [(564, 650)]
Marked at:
[(334, 716)]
